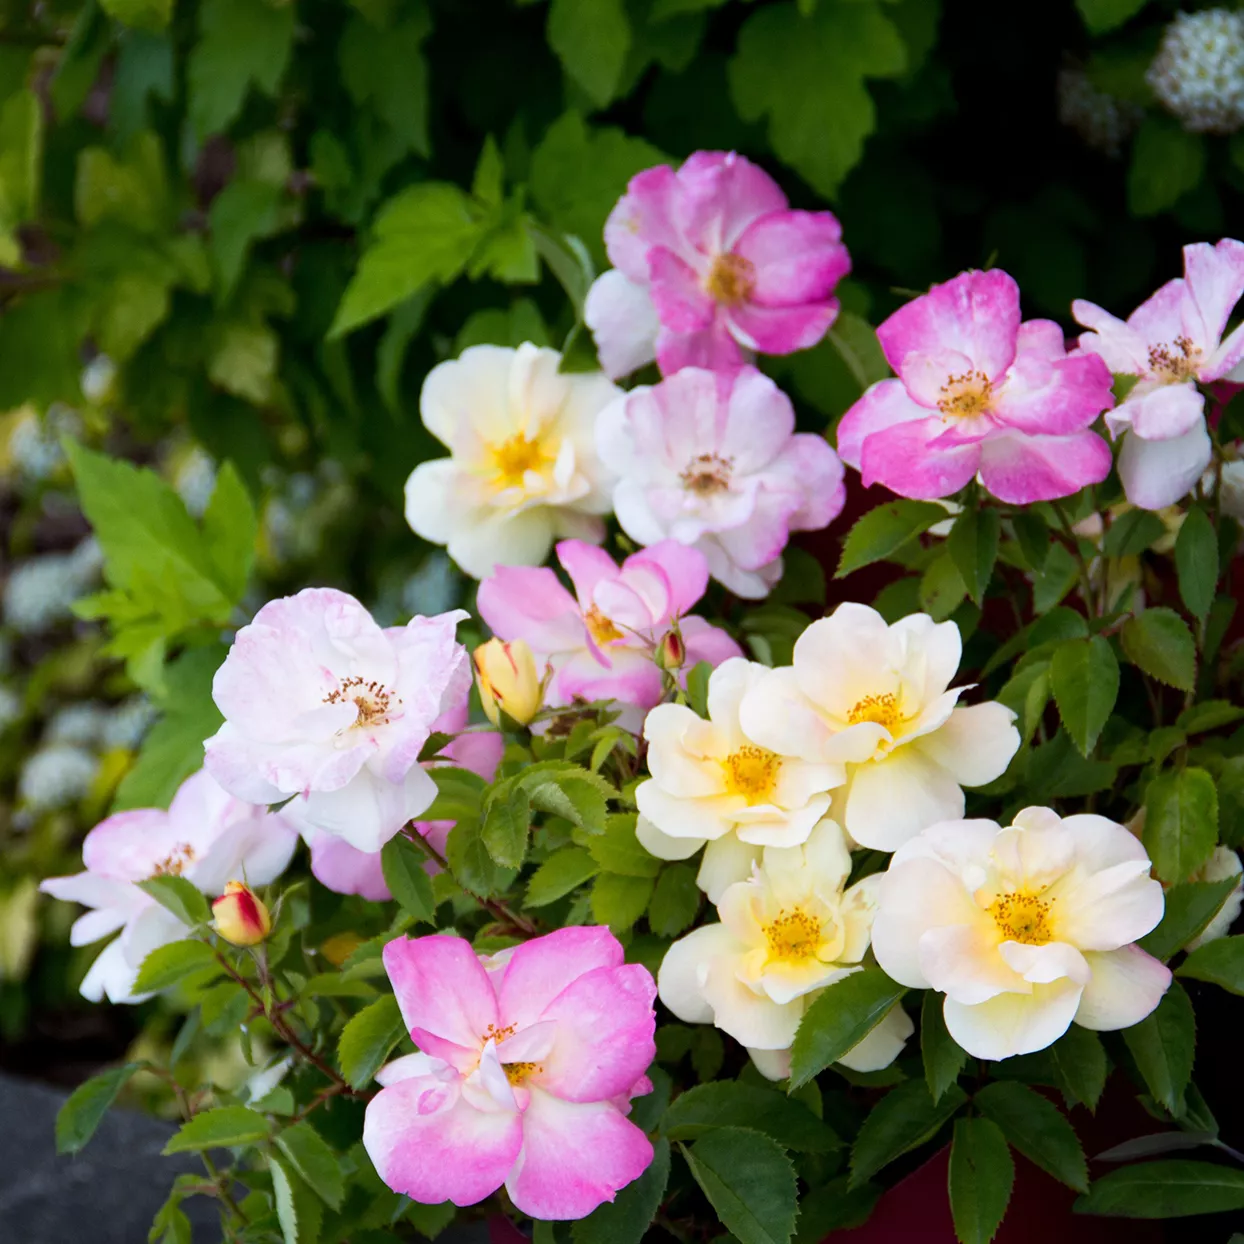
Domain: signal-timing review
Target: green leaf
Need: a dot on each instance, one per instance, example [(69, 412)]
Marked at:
[(884, 531), (749, 1181), (314, 1160), (1231, 802), (943, 1057), (1037, 1128), (1196, 562), (385, 69), (1220, 962), (675, 901), (1102, 15), (403, 866), (1167, 162), (21, 159), (506, 828), (591, 39), (86, 1106), (245, 211), (1163, 1045), (562, 872), (473, 867), (1133, 533), (728, 1103), (425, 234), (459, 796), (973, 546), (1209, 715), (230, 529), (625, 1219), (617, 850), (1160, 642), (179, 896), (697, 688), (283, 1194), (905, 1118), (367, 1039), (1084, 676), (241, 44), (1033, 536), (806, 73), (1189, 908), (840, 1019), (1181, 822), (166, 965), (1080, 1066), (576, 795), (1170, 1189), (834, 1206), (222, 1128), (619, 901), (982, 1174), (941, 588)]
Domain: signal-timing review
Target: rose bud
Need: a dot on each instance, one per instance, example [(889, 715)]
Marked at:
[(671, 652), (508, 681), (240, 917)]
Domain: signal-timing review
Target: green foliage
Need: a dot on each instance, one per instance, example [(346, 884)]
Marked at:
[(86, 1106), (749, 1181), (403, 867), (973, 547), (315, 1162), (840, 1019), (1167, 162), (1168, 1189), (1080, 1066), (367, 1039), (1084, 677), (625, 1220), (219, 1129), (728, 1103), (1102, 15), (1196, 562), (1160, 643), (179, 896), (1189, 908), (166, 965), (1181, 822), (1037, 1128), (981, 1177), (902, 1120), (884, 531), (1163, 1045), (943, 1058), (1221, 962)]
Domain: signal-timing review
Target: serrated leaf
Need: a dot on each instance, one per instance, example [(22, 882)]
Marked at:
[(1080, 1066), (973, 546), (1132, 533), (367, 1039), (402, 864), (982, 1174), (1181, 822), (1037, 1128), (1189, 908), (230, 528), (884, 531), (1084, 676), (840, 1019), (675, 901), (1172, 1189), (384, 68), (1220, 962), (943, 1057), (591, 39), (1032, 534), (1163, 1045), (749, 1181), (625, 1219), (576, 796), (905, 1118), (1160, 643), (471, 864), (1196, 562), (697, 688), (222, 1128), (166, 965), (459, 794), (562, 872), (619, 901), (727, 1103), (313, 1159), (618, 850), (179, 896), (84, 1109), (506, 828)]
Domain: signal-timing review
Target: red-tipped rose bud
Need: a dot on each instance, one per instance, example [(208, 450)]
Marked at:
[(240, 917), (508, 681), (671, 651)]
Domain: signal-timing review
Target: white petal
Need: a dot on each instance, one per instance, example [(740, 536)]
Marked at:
[(964, 962), (1013, 1023), (1126, 985), (110, 976), (975, 744), (683, 971), (726, 860), (751, 1019), (893, 799), (665, 846), (776, 714), (623, 322), (1110, 908), (1156, 474), (883, 1045), (701, 819), (772, 1064)]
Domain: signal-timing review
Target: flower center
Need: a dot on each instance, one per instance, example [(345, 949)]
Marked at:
[(881, 709), (373, 700), (515, 457), (1176, 362), (600, 627), (707, 474), (493, 1033), (752, 772), (516, 1073), (730, 280), (965, 396), (794, 936), (174, 863), (1022, 917)]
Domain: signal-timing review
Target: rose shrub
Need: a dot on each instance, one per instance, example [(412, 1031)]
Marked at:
[(734, 749)]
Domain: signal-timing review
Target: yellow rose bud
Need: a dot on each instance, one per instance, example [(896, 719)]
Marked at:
[(508, 681), (240, 917)]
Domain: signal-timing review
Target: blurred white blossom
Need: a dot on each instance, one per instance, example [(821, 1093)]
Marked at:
[(1102, 121), (56, 776), (1198, 73)]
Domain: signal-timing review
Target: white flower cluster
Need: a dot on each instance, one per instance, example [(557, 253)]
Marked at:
[(1103, 122), (41, 591), (1198, 73)]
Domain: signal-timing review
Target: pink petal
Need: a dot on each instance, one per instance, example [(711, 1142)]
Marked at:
[(1054, 396), (427, 1142), (604, 1043), (705, 643), (523, 602), (539, 970), (575, 1156), (1169, 312), (1164, 412), (347, 870), (641, 219), (127, 846), (721, 195), (446, 998), (1041, 339), (479, 751), (884, 404), (630, 678), (1124, 350), (623, 321), (1022, 469), (1156, 474), (684, 570), (755, 418), (586, 565), (682, 304), (712, 348), (1215, 279), (900, 458), (976, 314), (809, 464), (798, 257), (781, 330)]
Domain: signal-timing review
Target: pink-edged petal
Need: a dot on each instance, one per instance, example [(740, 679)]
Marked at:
[(1214, 276), (1159, 413), (705, 643), (623, 322), (523, 602), (575, 1156), (630, 678), (642, 218), (781, 330), (975, 314), (587, 566), (684, 570), (1056, 397), (900, 458), (681, 302), (1167, 314), (809, 468), (539, 970), (428, 1142), (127, 846), (711, 348), (723, 193), (479, 751), (754, 418), (368, 811), (604, 1024), (1156, 474), (347, 870), (796, 257), (444, 994), (1125, 987), (1021, 469), (1122, 348), (883, 405)]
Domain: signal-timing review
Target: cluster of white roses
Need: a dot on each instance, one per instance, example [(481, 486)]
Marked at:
[(861, 742)]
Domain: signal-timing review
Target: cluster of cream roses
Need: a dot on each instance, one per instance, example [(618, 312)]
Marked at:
[(861, 742)]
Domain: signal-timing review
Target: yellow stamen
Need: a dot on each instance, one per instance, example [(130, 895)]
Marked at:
[(1175, 363), (493, 1033), (602, 628), (373, 700), (965, 396), (174, 863), (794, 936), (730, 280), (882, 709), (1022, 917), (515, 457), (752, 772), (706, 474), (516, 1073)]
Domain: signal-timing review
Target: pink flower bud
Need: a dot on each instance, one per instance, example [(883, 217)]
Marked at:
[(240, 917), (671, 652)]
